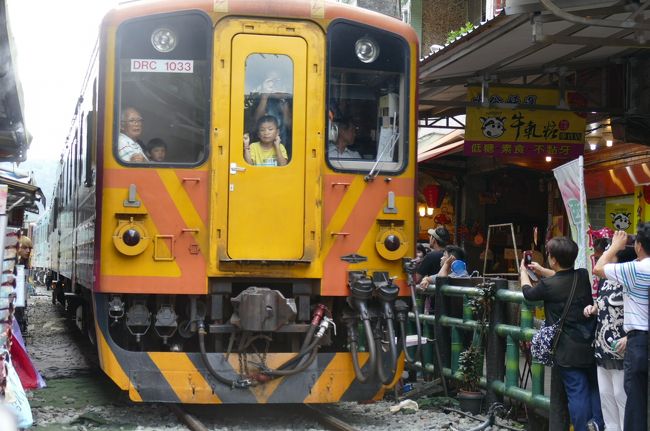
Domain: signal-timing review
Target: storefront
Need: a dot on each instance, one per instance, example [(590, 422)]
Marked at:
[(537, 76)]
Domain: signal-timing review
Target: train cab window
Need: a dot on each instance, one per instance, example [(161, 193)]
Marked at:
[(162, 90), (268, 101), (367, 99)]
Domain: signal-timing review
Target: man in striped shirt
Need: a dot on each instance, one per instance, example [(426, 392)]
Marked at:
[(635, 278)]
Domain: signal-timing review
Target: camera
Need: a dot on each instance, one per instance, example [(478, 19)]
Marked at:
[(631, 239)]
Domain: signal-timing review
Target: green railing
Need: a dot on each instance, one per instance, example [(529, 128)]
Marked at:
[(452, 324)]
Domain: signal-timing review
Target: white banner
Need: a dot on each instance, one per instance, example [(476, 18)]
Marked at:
[(570, 180)]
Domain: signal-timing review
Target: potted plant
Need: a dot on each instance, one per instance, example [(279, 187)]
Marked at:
[(470, 365)]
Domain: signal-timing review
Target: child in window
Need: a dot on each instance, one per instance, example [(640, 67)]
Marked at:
[(269, 151), (156, 150)]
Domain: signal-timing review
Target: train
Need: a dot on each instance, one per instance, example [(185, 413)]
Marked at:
[(207, 276)]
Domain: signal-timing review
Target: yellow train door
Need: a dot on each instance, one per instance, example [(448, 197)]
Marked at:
[(271, 151)]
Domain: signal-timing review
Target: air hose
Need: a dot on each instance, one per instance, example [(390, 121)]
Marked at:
[(392, 348), (361, 377), (236, 384)]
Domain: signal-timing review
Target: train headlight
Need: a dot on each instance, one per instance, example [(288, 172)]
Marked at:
[(130, 238), (367, 49), (164, 39), (391, 243)]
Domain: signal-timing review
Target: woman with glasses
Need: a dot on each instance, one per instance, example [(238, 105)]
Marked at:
[(574, 355), (129, 148)]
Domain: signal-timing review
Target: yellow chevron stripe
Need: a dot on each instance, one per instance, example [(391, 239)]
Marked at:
[(183, 377), (335, 379), (263, 392), (184, 205), (111, 366), (342, 213)]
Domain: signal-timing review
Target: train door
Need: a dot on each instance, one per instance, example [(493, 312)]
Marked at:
[(269, 159)]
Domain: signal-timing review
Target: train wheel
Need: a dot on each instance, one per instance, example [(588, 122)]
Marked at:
[(90, 324), (79, 317)]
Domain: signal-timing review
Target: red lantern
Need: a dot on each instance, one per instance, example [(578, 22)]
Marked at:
[(433, 195)]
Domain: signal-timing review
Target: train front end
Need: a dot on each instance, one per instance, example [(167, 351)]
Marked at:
[(280, 277)]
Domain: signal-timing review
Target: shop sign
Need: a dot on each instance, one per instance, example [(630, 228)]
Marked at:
[(503, 132), (618, 213)]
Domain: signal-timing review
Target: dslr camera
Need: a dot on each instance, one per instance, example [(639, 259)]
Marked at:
[(631, 239)]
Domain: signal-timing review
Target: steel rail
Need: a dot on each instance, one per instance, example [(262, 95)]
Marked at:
[(327, 419), (192, 422)]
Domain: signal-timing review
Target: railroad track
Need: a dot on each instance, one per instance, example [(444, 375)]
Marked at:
[(316, 413), (331, 422)]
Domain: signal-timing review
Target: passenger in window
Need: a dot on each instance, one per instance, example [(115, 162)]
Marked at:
[(269, 151), (129, 145), (157, 150), (275, 100), (346, 135)]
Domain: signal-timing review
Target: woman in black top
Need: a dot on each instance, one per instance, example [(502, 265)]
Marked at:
[(574, 356)]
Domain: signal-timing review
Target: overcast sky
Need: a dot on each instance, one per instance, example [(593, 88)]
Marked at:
[(53, 43)]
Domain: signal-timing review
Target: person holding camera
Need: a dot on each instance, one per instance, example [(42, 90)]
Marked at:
[(635, 278), (574, 355)]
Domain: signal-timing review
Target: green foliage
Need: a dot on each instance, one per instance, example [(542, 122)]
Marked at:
[(470, 364), (454, 34), (481, 305)]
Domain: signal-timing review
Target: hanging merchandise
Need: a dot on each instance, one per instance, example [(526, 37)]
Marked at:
[(16, 399)]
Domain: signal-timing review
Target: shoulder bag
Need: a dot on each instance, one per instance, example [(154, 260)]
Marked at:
[(545, 341)]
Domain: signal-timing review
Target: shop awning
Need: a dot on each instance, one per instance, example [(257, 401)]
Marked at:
[(437, 145), (14, 139), (608, 175), (529, 45), (22, 196)]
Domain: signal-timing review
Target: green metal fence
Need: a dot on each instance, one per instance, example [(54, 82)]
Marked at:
[(452, 322)]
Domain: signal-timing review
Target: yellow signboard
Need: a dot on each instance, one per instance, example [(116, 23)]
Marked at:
[(497, 131), (618, 213)]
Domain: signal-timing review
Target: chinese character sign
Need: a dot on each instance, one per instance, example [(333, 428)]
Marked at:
[(503, 132), (523, 132)]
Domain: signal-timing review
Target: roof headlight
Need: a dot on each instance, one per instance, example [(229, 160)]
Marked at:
[(164, 39), (367, 49)]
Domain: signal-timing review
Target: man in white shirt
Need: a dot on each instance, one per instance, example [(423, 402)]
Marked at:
[(635, 278), (347, 132)]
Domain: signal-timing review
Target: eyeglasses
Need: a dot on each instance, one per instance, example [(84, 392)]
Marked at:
[(135, 121)]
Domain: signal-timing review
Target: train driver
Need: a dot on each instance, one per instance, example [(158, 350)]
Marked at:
[(129, 148), (346, 135)]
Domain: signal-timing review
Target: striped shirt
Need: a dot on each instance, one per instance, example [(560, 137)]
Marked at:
[(635, 278)]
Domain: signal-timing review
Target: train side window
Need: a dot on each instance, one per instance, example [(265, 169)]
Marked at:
[(90, 136), (268, 112)]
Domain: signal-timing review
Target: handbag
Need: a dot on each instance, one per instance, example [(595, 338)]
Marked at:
[(544, 342)]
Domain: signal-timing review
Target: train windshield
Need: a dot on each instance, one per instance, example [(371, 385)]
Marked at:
[(367, 99), (163, 90)]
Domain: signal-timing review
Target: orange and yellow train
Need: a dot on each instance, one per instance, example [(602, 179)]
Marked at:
[(235, 204)]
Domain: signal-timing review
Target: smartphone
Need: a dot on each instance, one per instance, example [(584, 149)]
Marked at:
[(528, 259)]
